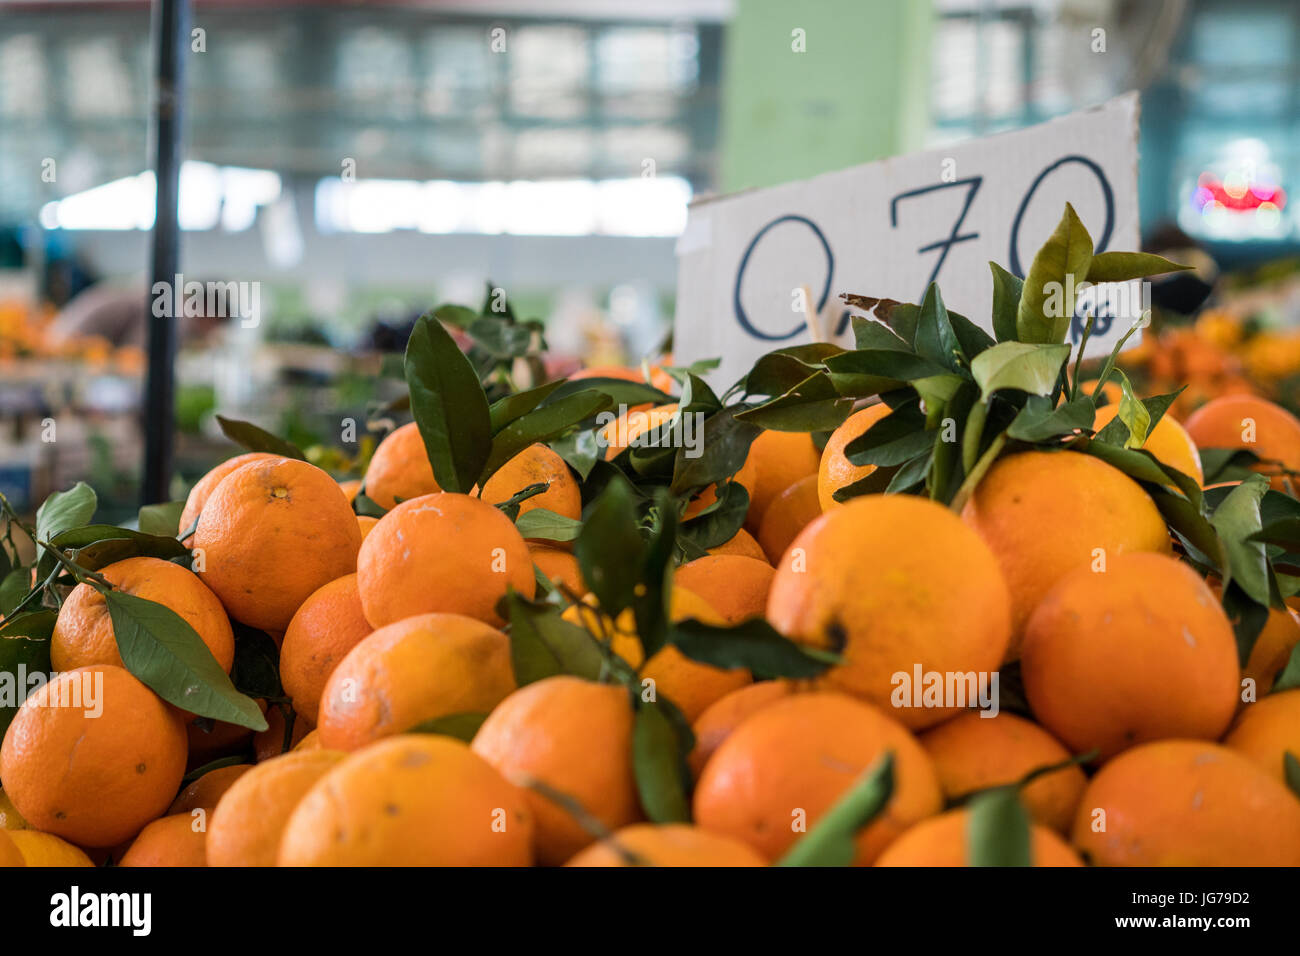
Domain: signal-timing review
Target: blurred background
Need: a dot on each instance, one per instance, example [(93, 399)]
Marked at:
[(356, 163)]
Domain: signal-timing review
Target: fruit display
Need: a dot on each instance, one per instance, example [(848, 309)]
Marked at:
[(947, 597)]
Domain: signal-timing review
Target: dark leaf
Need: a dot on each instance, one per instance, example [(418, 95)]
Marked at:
[(461, 726), (161, 519), (543, 644), (753, 644), (999, 829), (660, 742), (1006, 303), (831, 840), (249, 436)]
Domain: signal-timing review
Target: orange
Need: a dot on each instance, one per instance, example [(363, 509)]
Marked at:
[(1168, 441), (783, 768), (536, 464), (709, 494), (726, 713), (350, 488), (1112, 390), (1272, 649), (366, 523), (835, 471), (443, 552), (431, 665), (204, 487), (1140, 652), (576, 737), (10, 855), (1187, 803), (400, 469), (560, 567), (45, 849), (1267, 730), (272, 533), (93, 756), (1046, 513), (411, 800), (782, 458), (247, 824), (270, 742), (628, 426), (945, 841), (733, 586), (1252, 423), (10, 818), (176, 840), (309, 741), (742, 543), (972, 752), (789, 513), (658, 377), (83, 633), (896, 585), (222, 740), (204, 792), (669, 844), (328, 625)]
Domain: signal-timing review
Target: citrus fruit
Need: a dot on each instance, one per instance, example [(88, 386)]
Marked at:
[(669, 844), (742, 543), (45, 849), (327, 625), (270, 742), (1267, 730), (536, 464), (366, 523), (560, 567), (1251, 423), (726, 713), (10, 855), (444, 552), (204, 792), (427, 666), (628, 427), (1272, 649), (945, 841), (10, 818), (272, 533), (835, 471), (411, 800), (1141, 651), (400, 469), (204, 487), (903, 591), (781, 459), (175, 840), (788, 514), (1168, 441), (734, 586)]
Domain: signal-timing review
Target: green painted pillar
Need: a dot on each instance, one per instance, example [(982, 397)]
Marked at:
[(858, 91)]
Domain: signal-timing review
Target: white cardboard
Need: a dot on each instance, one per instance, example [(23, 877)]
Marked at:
[(742, 257)]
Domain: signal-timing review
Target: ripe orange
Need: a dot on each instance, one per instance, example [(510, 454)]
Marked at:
[(835, 471), (83, 633), (272, 533), (1187, 803), (785, 766), (781, 459), (1168, 441), (726, 713), (10, 855), (366, 523), (175, 840), (204, 792), (310, 741), (624, 430), (411, 800), (270, 742), (204, 487), (669, 844), (442, 553), (894, 584), (247, 824), (93, 756), (1272, 649), (400, 468), (972, 752), (575, 736), (743, 544), (1046, 513), (733, 586), (222, 740), (1140, 652), (789, 513), (10, 818), (536, 464), (431, 665), (944, 841), (560, 567), (1267, 730), (1252, 423), (45, 849), (328, 625), (350, 488)]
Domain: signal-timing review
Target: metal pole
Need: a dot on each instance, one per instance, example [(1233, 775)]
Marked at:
[(169, 33)]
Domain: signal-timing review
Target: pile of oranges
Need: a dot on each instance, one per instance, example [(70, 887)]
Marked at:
[(1141, 739)]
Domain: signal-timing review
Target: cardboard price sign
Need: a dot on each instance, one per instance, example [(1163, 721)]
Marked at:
[(888, 229)]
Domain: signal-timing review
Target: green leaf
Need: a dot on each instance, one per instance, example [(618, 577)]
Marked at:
[(831, 840), (60, 512), (720, 450), (13, 589), (1038, 421), (871, 334), (1289, 677), (24, 651), (249, 436), (580, 451), (1056, 272), (504, 411), (461, 726), (541, 425), (609, 548), (650, 601), (1237, 519), (1122, 266), (1025, 367), (660, 742), (1291, 772), (160, 648), (460, 316), (1133, 413), (256, 670), (894, 439), (812, 405), (500, 338), (718, 523), (753, 644), (163, 519), (543, 644), (935, 338), (911, 473), (99, 545), (1226, 464), (544, 523), (450, 408), (1006, 302), (999, 829), (971, 339), (621, 391)]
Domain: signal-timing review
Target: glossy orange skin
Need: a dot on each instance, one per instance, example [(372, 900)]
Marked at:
[(327, 626), (669, 844), (1220, 423), (1140, 652), (734, 586), (10, 855), (45, 849), (93, 780), (1267, 730), (835, 471), (431, 665), (788, 514), (1046, 513), (742, 543), (782, 458), (972, 753), (897, 581), (575, 736), (1168, 441), (943, 841), (803, 753), (400, 468), (1272, 649), (536, 464), (1187, 803), (272, 533), (366, 523), (204, 792), (444, 553), (726, 713), (247, 824), (168, 841), (83, 633), (560, 567), (411, 800), (204, 487)]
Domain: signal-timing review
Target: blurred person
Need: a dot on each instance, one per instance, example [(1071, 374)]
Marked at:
[(119, 313)]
